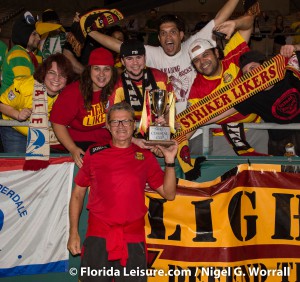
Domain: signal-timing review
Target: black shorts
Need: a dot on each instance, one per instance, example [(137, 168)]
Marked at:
[(95, 266)]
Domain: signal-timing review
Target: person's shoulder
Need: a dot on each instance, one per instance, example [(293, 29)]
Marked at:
[(21, 87), (17, 48), (71, 88), (24, 85), (199, 79), (158, 73), (154, 50), (97, 148), (17, 52)]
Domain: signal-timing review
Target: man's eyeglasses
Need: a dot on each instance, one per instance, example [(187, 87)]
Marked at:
[(116, 123), (53, 74)]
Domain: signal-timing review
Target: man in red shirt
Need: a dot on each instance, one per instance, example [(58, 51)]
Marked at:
[(117, 174), (216, 70)]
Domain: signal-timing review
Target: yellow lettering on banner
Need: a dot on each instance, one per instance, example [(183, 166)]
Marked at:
[(201, 113), (96, 116), (231, 227), (219, 101), (109, 18)]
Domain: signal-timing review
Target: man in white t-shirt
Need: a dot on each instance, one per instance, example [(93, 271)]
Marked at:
[(172, 56)]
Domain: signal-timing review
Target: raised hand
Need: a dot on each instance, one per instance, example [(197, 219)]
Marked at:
[(227, 28)]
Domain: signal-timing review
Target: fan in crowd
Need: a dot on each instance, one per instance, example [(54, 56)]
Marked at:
[(16, 102), (23, 58), (78, 116)]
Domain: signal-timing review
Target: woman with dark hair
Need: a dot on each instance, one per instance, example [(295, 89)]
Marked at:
[(16, 102), (78, 117)]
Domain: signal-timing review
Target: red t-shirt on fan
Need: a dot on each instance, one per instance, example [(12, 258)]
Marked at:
[(82, 125)]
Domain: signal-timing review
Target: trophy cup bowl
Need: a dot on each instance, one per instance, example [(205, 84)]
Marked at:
[(159, 101), (159, 134)]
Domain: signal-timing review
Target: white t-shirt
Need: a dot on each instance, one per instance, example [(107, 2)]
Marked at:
[(179, 67)]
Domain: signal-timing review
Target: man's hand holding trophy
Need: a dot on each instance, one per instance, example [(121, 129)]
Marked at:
[(162, 104)]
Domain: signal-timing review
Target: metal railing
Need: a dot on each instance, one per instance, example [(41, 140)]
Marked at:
[(207, 134), (206, 130)]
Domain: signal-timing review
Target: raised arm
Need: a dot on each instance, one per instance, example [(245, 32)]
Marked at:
[(106, 40), (77, 66), (168, 189), (243, 24), (225, 12)]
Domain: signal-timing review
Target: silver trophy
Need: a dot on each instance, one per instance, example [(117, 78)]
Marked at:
[(159, 134)]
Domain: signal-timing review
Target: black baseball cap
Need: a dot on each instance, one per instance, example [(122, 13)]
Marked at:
[(132, 47)]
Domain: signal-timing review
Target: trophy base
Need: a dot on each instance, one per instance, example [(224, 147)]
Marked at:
[(165, 143)]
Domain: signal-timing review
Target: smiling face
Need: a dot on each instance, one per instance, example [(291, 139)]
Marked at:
[(134, 66), (170, 38), (54, 81), (207, 63), (100, 76), (121, 132)]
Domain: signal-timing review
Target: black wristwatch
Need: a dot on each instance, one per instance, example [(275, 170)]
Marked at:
[(170, 164)]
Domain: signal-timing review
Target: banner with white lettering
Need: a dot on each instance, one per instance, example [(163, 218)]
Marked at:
[(241, 227), (34, 217)]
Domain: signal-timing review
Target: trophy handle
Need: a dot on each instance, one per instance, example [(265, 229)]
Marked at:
[(169, 104)]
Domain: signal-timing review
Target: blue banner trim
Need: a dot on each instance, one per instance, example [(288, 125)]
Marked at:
[(59, 266)]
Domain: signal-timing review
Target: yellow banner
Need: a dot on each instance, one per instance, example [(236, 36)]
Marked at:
[(220, 101), (243, 228)]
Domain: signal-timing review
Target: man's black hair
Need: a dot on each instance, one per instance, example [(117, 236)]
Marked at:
[(174, 19)]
